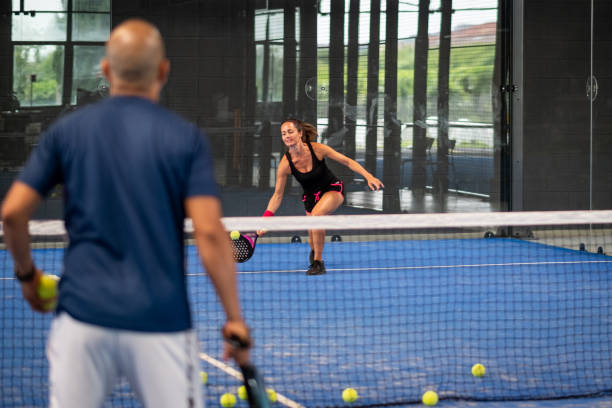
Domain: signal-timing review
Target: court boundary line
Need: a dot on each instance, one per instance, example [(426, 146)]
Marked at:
[(399, 268), (236, 374)]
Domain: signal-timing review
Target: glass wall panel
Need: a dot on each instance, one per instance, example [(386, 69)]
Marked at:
[(236, 80), (41, 5), (40, 27), (87, 79), (90, 26), (91, 5), (38, 73)]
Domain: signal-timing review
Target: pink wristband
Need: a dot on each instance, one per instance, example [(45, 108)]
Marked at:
[(268, 213)]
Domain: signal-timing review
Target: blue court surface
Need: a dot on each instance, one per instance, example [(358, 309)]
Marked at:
[(391, 319)]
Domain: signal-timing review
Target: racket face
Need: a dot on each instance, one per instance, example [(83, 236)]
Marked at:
[(243, 247)]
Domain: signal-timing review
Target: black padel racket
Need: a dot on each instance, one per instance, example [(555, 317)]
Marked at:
[(255, 387), (244, 246), (253, 382)]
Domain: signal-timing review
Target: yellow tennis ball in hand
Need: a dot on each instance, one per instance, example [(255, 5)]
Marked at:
[(204, 377), (242, 392), (47, 289), (234, 235), (349, 395), (478, 370), (227, 400), (271, 395), (430, 398)]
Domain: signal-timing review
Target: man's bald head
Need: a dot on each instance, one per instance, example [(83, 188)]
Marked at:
[(135, 55)]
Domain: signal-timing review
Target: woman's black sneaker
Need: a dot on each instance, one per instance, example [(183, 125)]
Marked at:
[(316, 268)]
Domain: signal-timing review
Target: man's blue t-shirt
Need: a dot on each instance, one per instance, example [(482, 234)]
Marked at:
[(127, 166)]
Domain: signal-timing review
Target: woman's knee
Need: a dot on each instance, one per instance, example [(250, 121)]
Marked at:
[(328, 203)]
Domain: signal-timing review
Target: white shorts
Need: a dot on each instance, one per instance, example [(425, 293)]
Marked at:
[(85, 362)]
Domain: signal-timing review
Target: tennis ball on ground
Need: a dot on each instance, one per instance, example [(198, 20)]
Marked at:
[(204, 377), (242, 392), (430, 398), (234, 235), (271, 394), (227, 400), (478, 370), (349, 395)]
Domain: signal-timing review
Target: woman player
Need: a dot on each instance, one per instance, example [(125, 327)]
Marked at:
[(323, 191)]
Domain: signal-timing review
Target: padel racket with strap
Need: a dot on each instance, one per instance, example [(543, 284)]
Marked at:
[(255, 387), (244, 246), (253, 382)]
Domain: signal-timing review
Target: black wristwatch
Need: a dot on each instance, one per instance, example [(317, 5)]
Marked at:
[(26, 277)]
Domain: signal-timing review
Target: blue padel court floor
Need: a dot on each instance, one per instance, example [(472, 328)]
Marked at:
[(391, 319)]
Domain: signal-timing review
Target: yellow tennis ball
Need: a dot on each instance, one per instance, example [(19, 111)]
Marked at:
[(430, 398), (271, 395), (204, 377), (47, 289), (349, 395), (478, 370), (242, 392), (227, 400), (234, 235)]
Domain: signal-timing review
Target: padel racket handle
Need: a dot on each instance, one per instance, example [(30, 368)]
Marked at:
[(256, 389), (237, 342)]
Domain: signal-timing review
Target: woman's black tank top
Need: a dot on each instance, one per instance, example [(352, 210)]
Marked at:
[(317, 178)]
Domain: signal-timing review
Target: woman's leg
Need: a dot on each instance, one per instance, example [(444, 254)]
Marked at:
[(328, 203), (310, 237)]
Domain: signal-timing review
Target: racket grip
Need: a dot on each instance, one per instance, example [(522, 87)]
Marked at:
[(237, 342)]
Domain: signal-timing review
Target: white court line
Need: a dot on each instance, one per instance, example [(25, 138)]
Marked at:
[(400, 268), (236, 374)]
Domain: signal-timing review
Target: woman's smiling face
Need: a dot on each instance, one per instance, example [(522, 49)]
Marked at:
[(291, 136)]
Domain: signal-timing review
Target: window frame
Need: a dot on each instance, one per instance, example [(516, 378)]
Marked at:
[(68, 44)]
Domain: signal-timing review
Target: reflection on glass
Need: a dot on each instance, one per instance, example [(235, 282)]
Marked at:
[(87, 80), (90, 26), (41, 27), (38, 72)]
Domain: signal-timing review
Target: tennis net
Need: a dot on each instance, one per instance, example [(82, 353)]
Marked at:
[(409, 303)]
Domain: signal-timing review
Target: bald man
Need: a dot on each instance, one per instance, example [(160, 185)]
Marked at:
[(132, 172)]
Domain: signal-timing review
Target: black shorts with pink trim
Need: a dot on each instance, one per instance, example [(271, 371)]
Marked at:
[(311, 199)]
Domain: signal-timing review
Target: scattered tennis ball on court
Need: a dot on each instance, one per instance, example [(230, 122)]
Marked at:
[(430, 398), (204, 377), (242, 392), (227, 400), (234, 235), (349, 395), (47, 289), (478, 370), (271, 395)]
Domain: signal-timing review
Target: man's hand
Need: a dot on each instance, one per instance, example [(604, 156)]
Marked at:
[(30, 293), (237, 341)]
